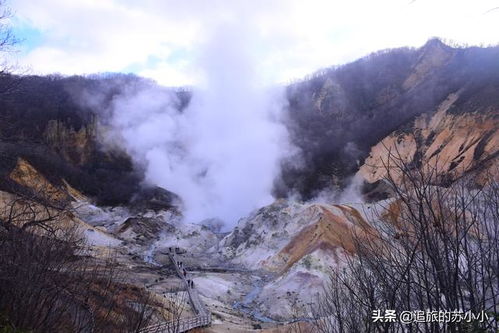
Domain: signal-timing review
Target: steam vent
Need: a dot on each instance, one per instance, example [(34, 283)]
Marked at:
[(230, 166)]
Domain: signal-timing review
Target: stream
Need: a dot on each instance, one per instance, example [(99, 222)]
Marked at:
[(244, 305)]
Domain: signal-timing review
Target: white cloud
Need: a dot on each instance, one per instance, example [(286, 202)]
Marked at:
[(294, 37), (171, 75)]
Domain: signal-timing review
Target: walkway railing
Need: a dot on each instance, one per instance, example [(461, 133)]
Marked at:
[(180, 325)]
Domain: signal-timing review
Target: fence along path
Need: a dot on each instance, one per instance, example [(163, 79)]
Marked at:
[(203, 317)]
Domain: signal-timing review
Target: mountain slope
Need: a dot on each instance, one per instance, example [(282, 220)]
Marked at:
[(460, 138), (44, 122), (339, 114)]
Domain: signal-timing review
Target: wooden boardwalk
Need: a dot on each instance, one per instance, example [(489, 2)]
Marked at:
[(178, 326), (203, 317)]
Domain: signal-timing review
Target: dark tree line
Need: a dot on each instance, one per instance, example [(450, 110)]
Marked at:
[(28, 112), (362, 102)]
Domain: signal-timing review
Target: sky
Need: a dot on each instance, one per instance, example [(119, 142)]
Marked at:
[(160, 39)]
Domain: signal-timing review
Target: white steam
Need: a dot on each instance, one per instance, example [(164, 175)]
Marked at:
[(221, 155)]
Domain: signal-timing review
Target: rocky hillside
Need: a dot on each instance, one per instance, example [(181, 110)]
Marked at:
[(460, 138), (44, 122), (296, 245), (434, 107), (335, 117), (340, 113)]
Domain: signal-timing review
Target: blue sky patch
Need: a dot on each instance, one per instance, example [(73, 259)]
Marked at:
[(29, 38)]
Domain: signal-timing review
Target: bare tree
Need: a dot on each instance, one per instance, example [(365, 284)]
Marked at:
[(298, 324), (177, 303), (170, 319), (434, 248), (48, 281), (7, 43)]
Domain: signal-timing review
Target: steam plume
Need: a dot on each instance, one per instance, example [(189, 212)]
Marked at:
[(222, 153)]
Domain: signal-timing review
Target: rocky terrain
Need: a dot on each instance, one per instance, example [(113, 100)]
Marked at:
[(338, 114), (434, 107), (452, 141), (267, 266)]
